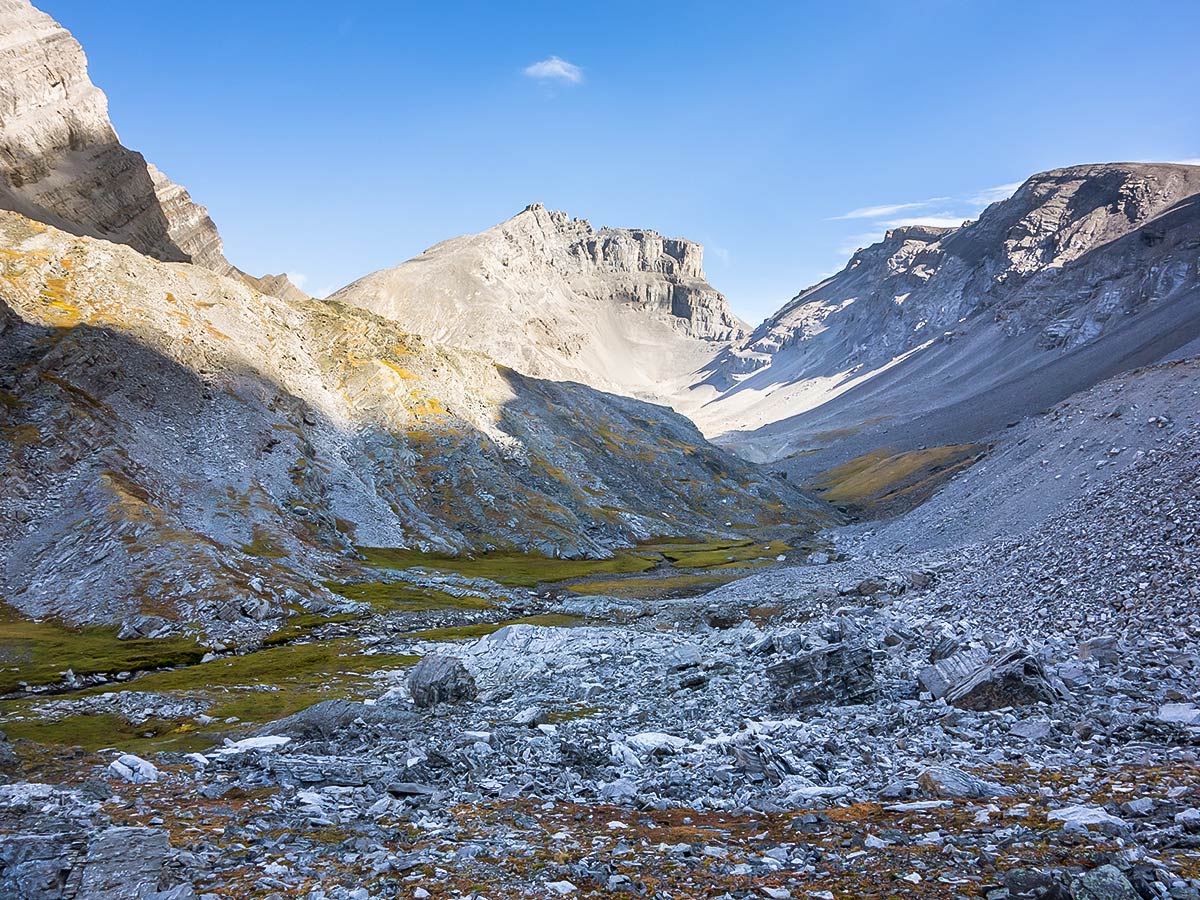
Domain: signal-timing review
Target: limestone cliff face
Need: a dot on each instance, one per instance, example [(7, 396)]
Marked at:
[(61, 161), (621, 309)]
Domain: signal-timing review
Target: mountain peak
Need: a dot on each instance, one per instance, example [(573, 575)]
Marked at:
[(548, 294)]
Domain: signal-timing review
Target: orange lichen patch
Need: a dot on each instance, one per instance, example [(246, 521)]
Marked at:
[(216, 332), (399, 370), (427, 406), (59, 309)]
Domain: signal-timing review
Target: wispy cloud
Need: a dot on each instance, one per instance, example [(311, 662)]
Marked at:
[(988, 196), (887, 209), (299, 279), (555, 69), (941, 220), (1194, 161)]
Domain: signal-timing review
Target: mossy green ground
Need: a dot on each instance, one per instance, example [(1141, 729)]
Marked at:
[(257, 687), (510, 568), (882, 483), (516, 569), (398, 596), (38, 653), (658, 588)]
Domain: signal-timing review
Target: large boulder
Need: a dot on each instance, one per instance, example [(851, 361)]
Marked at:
[(1104, 883), (946, 781), (440, 679), (1014, 678), (835, 673)]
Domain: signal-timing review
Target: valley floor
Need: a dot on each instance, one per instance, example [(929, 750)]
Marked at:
[(776, 737)]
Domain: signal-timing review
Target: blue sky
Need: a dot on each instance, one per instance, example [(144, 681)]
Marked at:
[(329, 140)]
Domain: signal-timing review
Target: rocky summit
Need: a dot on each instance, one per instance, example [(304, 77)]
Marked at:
[(435, 588), (620, 309)]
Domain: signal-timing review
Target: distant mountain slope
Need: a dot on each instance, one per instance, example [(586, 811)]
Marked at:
[(174, 442), (943, 335), (619, 309)]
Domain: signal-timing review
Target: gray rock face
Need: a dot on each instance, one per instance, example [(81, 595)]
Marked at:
[(1083, 273), (117, 863), (440, 679), (61, 161), (124, 864)]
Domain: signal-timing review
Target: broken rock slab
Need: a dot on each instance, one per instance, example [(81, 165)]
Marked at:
[(124, 863), (950, 668), (1085, 818), (1014, 678), (946, 781), (1104, 883), (133, 769), (837, 673)]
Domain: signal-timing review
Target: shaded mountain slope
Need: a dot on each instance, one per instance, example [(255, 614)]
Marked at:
[(619, 309), (176, 442), (943, 335)]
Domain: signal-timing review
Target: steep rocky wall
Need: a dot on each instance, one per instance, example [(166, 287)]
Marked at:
[(61, 161)]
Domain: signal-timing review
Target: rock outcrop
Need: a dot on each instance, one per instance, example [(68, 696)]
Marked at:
[(276, 285), (619, 309), (61, 161)]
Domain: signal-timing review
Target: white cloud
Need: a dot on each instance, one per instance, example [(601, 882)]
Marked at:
[(877, 212), (941, 220), (988, 196), (1194, 161), (299, 279), (555, 69)]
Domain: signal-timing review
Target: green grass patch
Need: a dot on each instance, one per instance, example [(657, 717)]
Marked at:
[(256, 687), (389, 596), (511, 568), (297, 626), (94, 732), (566, 715), (37, 653), (882, 483), (290, 665), (718, 554)]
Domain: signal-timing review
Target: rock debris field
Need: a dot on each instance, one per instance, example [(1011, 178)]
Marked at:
[(1011, 719)]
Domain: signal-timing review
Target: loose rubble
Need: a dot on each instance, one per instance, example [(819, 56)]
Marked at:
[(1007, 720)]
